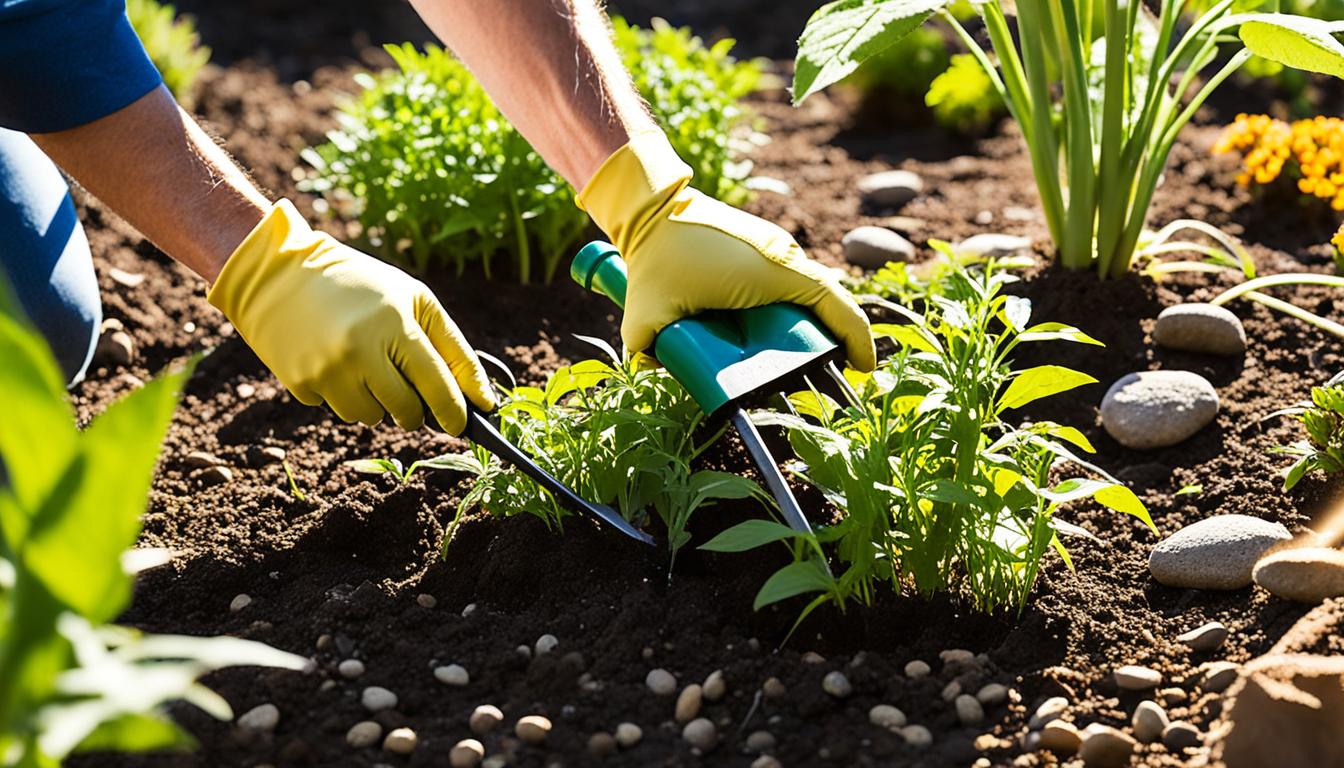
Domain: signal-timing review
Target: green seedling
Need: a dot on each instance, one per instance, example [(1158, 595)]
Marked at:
[(963, 98), (171, 42), (938, 489), (1193, 489), (1100, 90), (294, 489), (1323, 419)]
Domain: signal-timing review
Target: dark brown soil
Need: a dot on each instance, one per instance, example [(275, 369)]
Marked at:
[(337, 576)]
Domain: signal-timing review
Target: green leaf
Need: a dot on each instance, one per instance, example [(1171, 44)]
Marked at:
[(793, 579), (1042, 381), (453, 462), (1057, 332), (374, 466), (748, 534), (841, 35), (1068, 434), (1298, 470), (1295, 41), (950, 492), (136, 733), (907, 336), (1063, 553), (817, 405), (1193, 488), (1121, 499)]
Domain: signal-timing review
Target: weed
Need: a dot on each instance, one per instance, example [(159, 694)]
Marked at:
[(1323, 419)]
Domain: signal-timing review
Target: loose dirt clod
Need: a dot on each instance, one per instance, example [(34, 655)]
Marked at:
[(760, 741), (1105, 747), (376, 699), (836, 684), (1205, 638), (1060, 737), (661, 682), (886, 716), (628, 735), (466, 753), (917, 669), (1149, 721), (533, 729), (452, 674), (715, 687), (263, 717), (400, 741), (364, 734), (1136, 678), (700, 733), (688, 703)]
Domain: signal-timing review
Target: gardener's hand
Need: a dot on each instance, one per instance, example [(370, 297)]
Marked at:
[(687, 252), (340, 327)]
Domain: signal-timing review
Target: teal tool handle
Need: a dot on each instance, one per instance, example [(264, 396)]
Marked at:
[(720, 356)]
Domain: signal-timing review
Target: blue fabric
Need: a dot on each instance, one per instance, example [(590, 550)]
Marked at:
[(45, 255), (64, 63)]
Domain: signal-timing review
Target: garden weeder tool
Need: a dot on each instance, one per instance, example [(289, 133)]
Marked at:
[(725, 357)]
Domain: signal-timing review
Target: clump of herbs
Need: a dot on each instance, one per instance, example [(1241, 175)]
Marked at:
[(1323, 420), (435, 175), (938, 489), (171, 42)]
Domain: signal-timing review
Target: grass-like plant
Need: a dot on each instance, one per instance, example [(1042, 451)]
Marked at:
[(171, 42), (938, 489), (70, 506), (1323, 420), (1100, 90), (436, 175)]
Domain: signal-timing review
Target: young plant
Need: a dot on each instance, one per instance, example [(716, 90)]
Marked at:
[(70, 505), (963, 98), (171, 42), (1308, 154), (624, 434), (1323, 420), (904, 71), (937, 488), (1099, 111), (435, 174)]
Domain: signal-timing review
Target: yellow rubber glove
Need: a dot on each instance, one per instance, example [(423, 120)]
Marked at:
[(687, 252), (337, 326)]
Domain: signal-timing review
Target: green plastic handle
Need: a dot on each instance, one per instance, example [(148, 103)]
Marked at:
[(720, 356)]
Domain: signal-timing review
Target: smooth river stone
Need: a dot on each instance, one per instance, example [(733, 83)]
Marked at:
[(872, 247), (1156, 409), (1200, 328), (1217, 553), (890, 189), (1305, 574)]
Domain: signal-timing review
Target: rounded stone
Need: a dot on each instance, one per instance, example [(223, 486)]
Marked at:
[(201, 459), (917, 736), (1050, 709), (1207, 637), (376, 698), (400, 741), (424, 599), (602, 745), (239, 602), (688, 703), (890, 189), (1181, 735), (993, 245), (956, 656), (886, 716), (532, 729), (1136, 678), (215, 475), (774, 688), (115, 347), (1200, 328), (1105, 747), (1156, 409), (760, 741), (452, 674), (661, 682), (263, 717), (969, 711), (766, 761), (1149, 721), (364, 734), (1216, 553), (872, 247), (992, 694), (700, 733), (1304, 574), (1060, 737), (714, 687), (628, 735), (1218, 676), (836, 684), (466, 753), (546, 644), (350, 668), (917, 669), (485, 719)]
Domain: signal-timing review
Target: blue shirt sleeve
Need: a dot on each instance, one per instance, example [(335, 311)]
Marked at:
[(64, 63)]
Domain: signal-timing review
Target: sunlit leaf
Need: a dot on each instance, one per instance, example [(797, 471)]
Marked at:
[(1042, 381), (793, 579), (748, 534)]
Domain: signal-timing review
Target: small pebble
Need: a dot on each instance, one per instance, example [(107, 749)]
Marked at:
[(1105, 747), (661, 682), (917, 669), (452, 674), (1181, 735), (466, 753), (1156, 409), (350, 668), (271, 454), (469, 609), (1050, 709), (760, 741), (992, 694), (1200, 328), (1149, 721), (215, 475), (239, 603), (524, 650), (1218, 552), (532, 729), (871, 247), (628, 735), (886, 716), (688, 703), (364, 734), (951, 691), (128, 279), (376, 698), (836, 684), (1172, 696), (766, 761), (993, 245), (400, 741), (263, 717), (1305, 574), (969, 711), (115, 348), (545, 644), (1205, 638), (773, 688), (1218, 676), (917, 736), (602, 745), (954, 656), (1060, 737), (1136, 678), (890, 189), (484, 719), (245, 391), (201, 459), (812, 657), (700, 733), (426, 600), (714, 687), (493, 761)]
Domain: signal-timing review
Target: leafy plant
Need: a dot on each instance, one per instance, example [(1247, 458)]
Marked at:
[(435, 174), (904, 71), (1306, 153), (70, 503), (937, 488), (171, 42), (1105, 106), (1323, 420), (909, 283), (963, 98)]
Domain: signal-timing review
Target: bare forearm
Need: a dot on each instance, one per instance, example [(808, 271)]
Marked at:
[(154, 166), (551, 68)]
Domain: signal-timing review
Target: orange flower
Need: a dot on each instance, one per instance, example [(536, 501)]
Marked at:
[(1311, 152)]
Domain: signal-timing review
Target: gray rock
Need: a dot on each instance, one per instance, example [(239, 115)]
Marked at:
[(890, 189), (1217, 553), (917, 669), (466, 753), (1207, 637), (350, 668), (376, 698), (1105, 747), (836, 684), (992, 694), (260, 718), (1135, 678), (452, 674), (1200, 328), (993, 245), (917, 736), (114, 348), (714, 687), (1060, 737), (969, 711), (364, 734), (628, 735), (1050, 709), (661, 682), (1155, 409), (700, 733), (1218, 676), (886, 716), (239, 602), (400, 741), (871, 247), (532, 729), (201, 459), (1304, 574), (1150, 720), (545, 644), (602, 745), (760, 741), (1181, 735)]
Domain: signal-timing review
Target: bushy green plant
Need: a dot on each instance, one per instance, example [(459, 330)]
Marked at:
[(1323, 420), (171, 42), (436, 175), (1099, 114), (905, 70), (963, 98), (70, 505), (937, 488)]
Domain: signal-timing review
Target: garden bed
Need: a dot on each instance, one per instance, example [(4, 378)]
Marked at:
[(341, 574)]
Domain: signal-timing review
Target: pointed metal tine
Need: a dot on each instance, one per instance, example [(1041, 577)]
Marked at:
[(774, 479), (843, 383), (788, 404)]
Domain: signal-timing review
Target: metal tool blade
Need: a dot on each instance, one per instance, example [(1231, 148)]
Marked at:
[(483, 433), (774, 479)]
